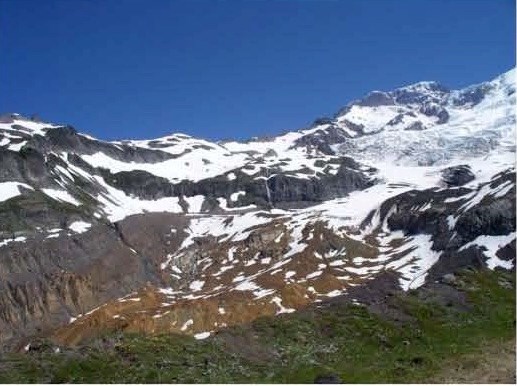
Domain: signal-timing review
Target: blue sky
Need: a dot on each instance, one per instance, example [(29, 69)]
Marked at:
[(220, 69)]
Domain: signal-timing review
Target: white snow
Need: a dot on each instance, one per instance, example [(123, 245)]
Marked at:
[(231, 252), (189, 166), (247, 286), (223, 269), (11, 189), (418, 258), (187, 324), (119, 205), (259, 294), (469, 132), (202, 335), (61, 195), (215, 225), (333, 293), (235, 196), (79, 226), (19, 239), (27, 126), (130, 300), (281, 309), (195, 203), (313, 274), (451, 222), (196, 285)]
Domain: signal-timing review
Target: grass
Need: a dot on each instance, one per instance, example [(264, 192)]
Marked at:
[(340, 339)]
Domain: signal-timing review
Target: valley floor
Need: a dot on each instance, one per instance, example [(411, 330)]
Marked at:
[(459, 331)]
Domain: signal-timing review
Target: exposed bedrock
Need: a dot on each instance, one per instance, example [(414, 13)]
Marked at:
[(45, 281), (457, 175), (67, 139), (280, 189), (454, 218)]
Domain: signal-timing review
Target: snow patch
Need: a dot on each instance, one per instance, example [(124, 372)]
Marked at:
[(235, 196), (79, 226), (61, 195), (197, 285), (202, 335), (281, 309), (187, 324), (11, 189)]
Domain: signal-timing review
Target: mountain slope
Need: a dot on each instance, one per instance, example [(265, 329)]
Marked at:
[(458, 331), (185, 235)]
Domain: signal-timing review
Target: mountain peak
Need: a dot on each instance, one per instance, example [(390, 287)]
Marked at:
[(423, 87)]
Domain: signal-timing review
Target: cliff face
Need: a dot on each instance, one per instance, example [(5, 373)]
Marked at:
[(182, 234)]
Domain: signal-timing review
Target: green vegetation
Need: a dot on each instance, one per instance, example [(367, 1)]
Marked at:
[(341, 339)]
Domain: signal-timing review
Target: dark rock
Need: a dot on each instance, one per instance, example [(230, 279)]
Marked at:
[(287, 189), (507, 252), (428, 92), (395, 121), (435, 110), (359, 129), (139, 183), (27, 166), (490, 217), (472, 95), (457, 175), (376, 98), (327, 379), (408, 217), (322, 121), (445, 295), (323, 139), (45, 281), (449, 278), (344, 110), (271, 153), (415, 126), (34, 209), (453, 261)]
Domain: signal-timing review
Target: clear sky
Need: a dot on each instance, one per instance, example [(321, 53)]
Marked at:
[(219, 69)]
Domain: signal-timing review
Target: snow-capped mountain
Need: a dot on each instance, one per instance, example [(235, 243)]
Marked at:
[(183, 234)]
